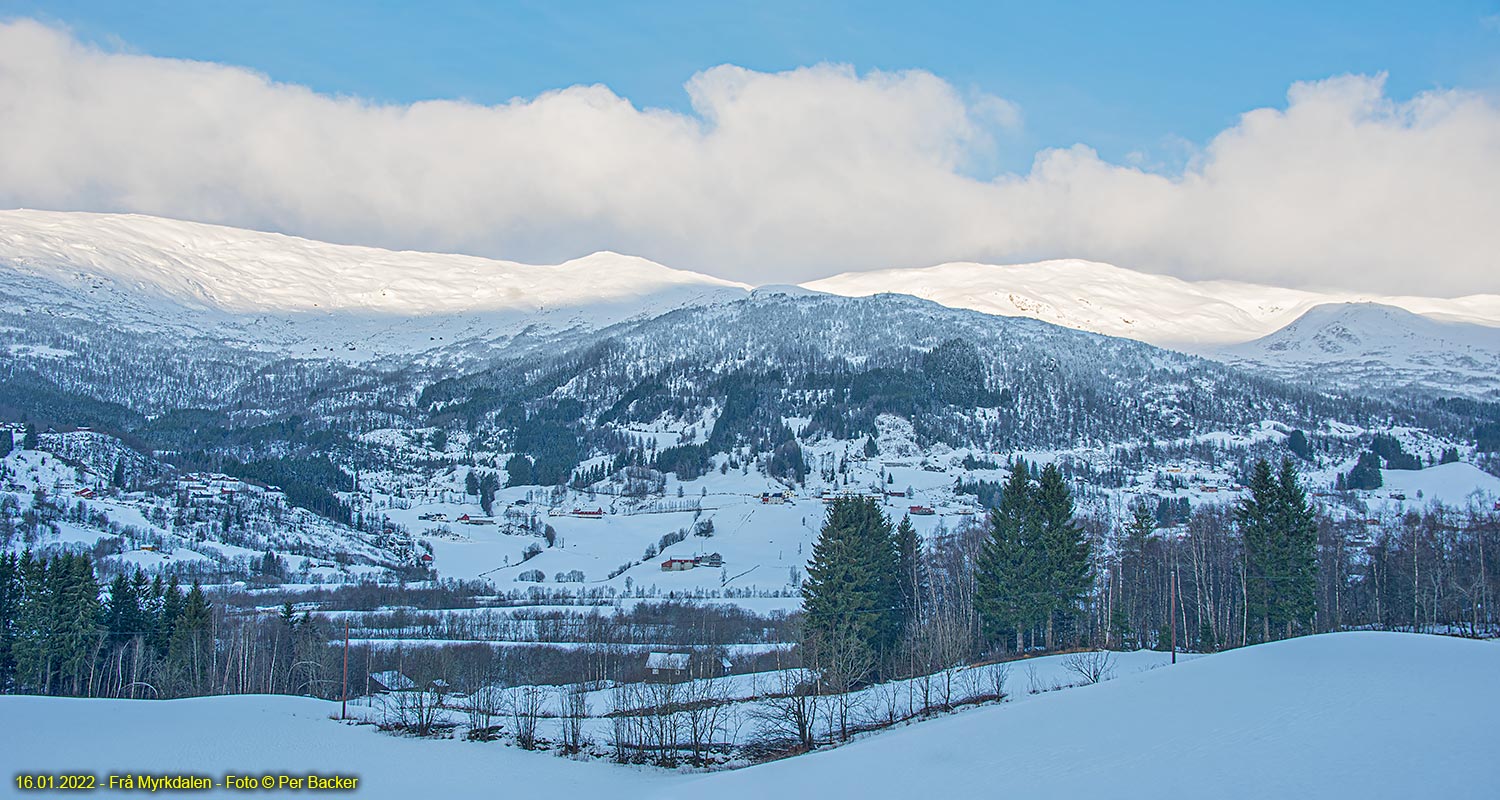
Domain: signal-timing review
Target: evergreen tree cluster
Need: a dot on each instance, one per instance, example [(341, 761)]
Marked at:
[(56, 637), (852, 599), (1280, 538), (1033, 570), (1365, 474), (1389, 449)]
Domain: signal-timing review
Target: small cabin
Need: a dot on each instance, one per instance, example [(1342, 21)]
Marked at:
[(921, 511), (678, 564), (667, 666)]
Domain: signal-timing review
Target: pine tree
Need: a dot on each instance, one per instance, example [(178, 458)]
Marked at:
[(33, 644), (851, 588), (77, 628), (912, 568), (1297, 556), (1064, 550), (1128, 618), (1006, 574), (10, 603), (28, 438), (166, 618), (190, 651), (7, 443), (1255, 515)]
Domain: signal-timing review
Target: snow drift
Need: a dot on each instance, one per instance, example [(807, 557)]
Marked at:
[(1369, 715)]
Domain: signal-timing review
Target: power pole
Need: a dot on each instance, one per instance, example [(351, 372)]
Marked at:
[(1174, 615), (344, 703)]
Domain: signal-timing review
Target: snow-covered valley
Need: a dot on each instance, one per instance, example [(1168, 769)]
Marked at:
[(1421, 706)]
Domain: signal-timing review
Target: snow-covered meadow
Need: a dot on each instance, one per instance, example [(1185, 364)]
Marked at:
[(1369, 715)]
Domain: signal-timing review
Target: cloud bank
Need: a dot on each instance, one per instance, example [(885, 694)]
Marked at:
[(772, 177)]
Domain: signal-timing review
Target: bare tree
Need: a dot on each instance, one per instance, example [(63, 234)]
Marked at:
[(705, 712), (574, 702), (417, 710), (791, 710), (524, 705), (1093, 666)]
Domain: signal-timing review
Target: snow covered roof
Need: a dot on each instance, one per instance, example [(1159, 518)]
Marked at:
[(392, 680), (677, 661)]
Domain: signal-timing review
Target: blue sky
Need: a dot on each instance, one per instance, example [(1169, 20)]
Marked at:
[(1123, 77), (1324, 144)]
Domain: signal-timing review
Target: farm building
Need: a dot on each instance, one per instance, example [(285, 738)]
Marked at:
[(678, 564), (667, 666)]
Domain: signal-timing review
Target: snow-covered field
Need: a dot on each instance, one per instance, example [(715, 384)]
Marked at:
[(1366, 715)]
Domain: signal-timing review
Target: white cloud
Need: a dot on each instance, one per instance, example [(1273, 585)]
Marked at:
[(773, 177)]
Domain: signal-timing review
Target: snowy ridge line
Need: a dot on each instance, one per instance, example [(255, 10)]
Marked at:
[(1158, 309)]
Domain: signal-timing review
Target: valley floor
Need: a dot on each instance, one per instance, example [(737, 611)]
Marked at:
[(1367, 715)]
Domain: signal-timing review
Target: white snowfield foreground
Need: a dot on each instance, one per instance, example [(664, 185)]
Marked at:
[(1356, 715)]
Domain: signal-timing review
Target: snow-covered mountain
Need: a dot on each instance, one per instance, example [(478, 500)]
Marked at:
[(1368, 344), (1197, 316), (298, 295)]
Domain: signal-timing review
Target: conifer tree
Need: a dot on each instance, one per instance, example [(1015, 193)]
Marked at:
[(1006, 587), (190, 652), (166, 620), (10, 603), (913, 579), (1297, 556), (851, 592), (1064, 550), (28, 438), (1254, 515), (1129, 614), (34, 642)]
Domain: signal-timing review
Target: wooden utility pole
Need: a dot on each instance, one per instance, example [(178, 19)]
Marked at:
[(1174, 616), (344, 703)]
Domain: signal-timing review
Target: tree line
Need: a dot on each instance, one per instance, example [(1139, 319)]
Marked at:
[(880, 603)]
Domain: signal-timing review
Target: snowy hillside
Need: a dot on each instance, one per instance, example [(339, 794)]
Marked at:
[(265, 288), (1103, 298), (1372, 715), (1343, 715), (1364, 344)]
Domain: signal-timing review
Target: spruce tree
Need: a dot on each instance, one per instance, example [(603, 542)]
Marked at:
[(1255, 514), (191, 649), (28, 438), (851, 591), (1129, 615), (76, 625), (1064, 551), (166, 618), (1297, 556), (10, 603), (913, 577), (34, 645), (7, 443), (1006, 592)]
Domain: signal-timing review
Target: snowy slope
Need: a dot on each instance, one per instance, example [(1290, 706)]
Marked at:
[(1370, 715), (148, 271), (1456, 485), (1103, 298), (1368, 343)]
